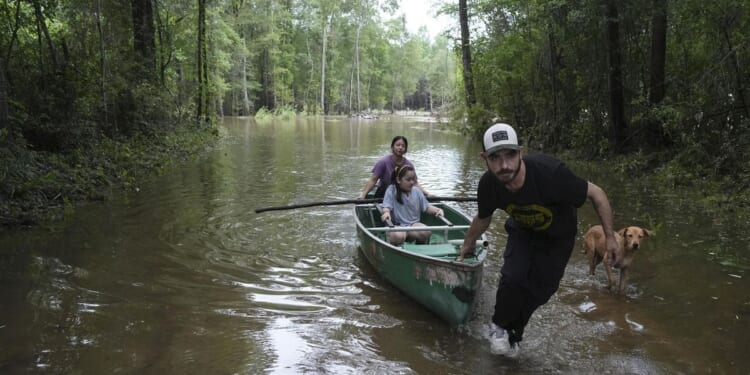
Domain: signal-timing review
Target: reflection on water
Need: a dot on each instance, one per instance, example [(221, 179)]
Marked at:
[(183, 276)]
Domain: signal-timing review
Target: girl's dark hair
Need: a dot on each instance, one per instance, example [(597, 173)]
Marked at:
[(396, 138), (399, 172)]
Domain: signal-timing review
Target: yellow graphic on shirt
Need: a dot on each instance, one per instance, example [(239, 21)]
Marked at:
[(533, 216)]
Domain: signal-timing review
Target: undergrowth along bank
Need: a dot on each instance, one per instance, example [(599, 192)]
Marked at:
[(42, 187)]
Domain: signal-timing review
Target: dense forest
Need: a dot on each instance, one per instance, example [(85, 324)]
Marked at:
[(90, 91)]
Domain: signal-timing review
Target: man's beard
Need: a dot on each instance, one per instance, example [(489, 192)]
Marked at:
[(502, 174)]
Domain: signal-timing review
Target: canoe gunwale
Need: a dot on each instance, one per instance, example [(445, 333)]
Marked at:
[(449, 263), (417, 229)]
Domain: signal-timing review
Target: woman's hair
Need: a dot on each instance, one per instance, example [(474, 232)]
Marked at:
[(398, 173), (396, 138)]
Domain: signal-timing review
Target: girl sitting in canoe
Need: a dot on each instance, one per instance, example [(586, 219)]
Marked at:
[(404, 204)]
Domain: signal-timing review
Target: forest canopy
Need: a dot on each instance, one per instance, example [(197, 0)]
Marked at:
[(668, 81)]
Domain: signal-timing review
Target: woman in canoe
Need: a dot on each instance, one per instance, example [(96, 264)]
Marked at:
[(384, 168), (404, 205)]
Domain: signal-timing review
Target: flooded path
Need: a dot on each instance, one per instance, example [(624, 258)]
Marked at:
[(183, 277)]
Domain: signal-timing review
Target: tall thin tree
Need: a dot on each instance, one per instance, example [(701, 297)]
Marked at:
[(616, 97), (356, 61), (657, 90), (144, 35), (323, 64), (733, 63), (42, 26), (202, 66), (102, 64), (658, 52), (3, 97), (463, 16)]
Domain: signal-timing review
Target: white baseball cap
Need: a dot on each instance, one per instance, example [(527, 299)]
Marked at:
[(500, 137)]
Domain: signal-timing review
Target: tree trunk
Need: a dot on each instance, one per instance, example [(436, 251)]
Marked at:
[(616, 97), (266, 94), (393, 95), (367, 93), (202, 102), (554, 135), (463, 14), (356, 57), (309, 103), (3, 97), (143, 35), (736, 67), (165, 53), (246, 103), (351, 88), (102, 66), (323, 69), (658, 52), (13, 38), (43, 27), (655, 136), (204, 69)]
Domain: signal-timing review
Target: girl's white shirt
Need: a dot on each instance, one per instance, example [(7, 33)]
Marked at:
[(410, 211)]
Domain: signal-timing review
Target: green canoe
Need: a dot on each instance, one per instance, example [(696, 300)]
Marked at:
[(428, 273)]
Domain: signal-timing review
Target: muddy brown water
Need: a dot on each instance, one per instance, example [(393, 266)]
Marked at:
[(183, 277)]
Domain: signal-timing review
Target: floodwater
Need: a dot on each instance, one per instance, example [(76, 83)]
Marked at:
[(182, 277)]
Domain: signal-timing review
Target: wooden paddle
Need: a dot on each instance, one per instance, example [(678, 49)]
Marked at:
[(358, 201)]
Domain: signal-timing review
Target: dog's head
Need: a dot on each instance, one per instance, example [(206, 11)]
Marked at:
[(632, 236)]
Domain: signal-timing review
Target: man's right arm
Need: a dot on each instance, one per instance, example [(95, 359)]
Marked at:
[(603, 209), (477, 227)]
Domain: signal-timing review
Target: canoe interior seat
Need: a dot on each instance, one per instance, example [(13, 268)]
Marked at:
[(432, 250)]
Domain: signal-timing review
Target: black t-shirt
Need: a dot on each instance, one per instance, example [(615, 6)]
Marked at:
[(545, 205)]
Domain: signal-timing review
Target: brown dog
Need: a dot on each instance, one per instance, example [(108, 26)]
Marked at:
[(628, 239)]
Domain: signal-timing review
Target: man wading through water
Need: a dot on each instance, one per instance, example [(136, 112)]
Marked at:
[(541, 196)]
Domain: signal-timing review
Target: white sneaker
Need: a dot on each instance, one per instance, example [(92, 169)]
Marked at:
[(499, 343), (514, 350)]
